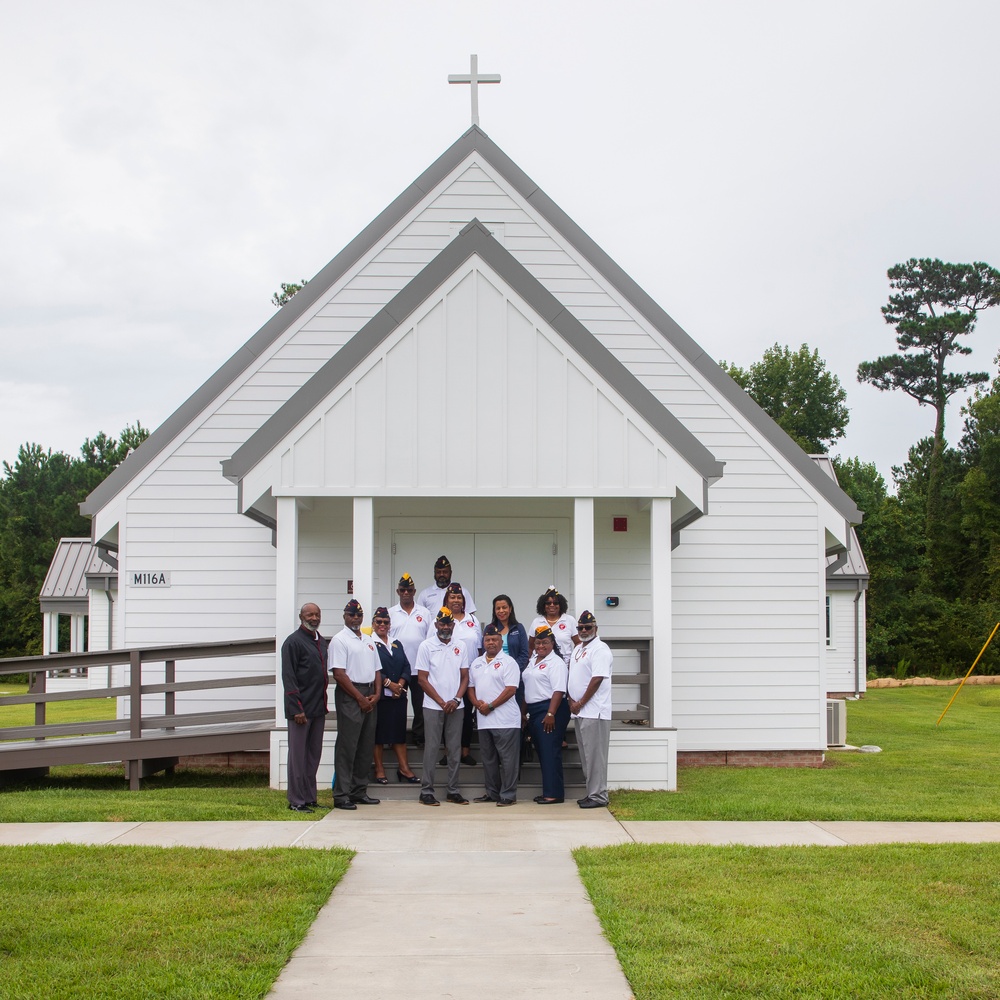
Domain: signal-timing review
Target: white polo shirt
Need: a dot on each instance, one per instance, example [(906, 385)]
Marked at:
[(542, 678), (411, 630), (563, 630), (356, 654), (489, 678), (444, 663), (469, 631), (432, 598), (591, 659)]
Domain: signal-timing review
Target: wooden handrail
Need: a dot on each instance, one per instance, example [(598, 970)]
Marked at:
[(38, 667)]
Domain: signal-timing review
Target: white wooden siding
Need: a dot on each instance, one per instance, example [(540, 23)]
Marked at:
[(181, 515), (840, 667)]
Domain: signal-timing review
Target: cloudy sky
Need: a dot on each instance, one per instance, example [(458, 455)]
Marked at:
[(755, 166)]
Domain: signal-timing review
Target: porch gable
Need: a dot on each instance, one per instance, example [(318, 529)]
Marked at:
[(473, 380)]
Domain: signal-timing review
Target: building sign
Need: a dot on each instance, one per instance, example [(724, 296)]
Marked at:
[(149, 578)]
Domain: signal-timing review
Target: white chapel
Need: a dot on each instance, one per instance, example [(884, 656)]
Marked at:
[(472, 375)]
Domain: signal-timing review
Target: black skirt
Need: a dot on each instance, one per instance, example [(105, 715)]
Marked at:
[(390, 725)]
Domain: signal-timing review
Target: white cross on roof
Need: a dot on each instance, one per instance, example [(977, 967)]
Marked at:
[(474, 78)]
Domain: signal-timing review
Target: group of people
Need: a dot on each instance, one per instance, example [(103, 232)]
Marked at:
[(515, 683)]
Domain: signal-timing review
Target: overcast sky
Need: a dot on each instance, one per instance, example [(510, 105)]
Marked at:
[(755, 166)]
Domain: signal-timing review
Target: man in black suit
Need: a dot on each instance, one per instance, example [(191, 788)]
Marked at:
[(305, 679)]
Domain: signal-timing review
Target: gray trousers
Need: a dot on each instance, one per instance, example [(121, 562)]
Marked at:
[(592, 739), (450, 725), (305, 746), (355, 748), (501, 749)]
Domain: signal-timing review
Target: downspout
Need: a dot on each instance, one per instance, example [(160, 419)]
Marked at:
[(857, 642), (111, 632)]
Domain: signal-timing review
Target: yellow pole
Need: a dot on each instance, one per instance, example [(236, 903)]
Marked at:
[(966, 677)]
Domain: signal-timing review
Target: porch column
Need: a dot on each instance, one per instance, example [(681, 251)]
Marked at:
[(583, 555), (286, 576), (76, 633), (364, 553), (50, 632), (662, 612)]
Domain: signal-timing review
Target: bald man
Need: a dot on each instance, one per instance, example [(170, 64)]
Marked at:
[(305, 680)]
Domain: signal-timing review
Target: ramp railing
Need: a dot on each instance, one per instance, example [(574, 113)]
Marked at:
[(143, 742)]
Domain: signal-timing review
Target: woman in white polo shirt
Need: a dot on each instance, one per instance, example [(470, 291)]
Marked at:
[(548, 712)]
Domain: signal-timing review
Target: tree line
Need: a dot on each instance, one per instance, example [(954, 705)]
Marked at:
[(933, 545), (40, 496)]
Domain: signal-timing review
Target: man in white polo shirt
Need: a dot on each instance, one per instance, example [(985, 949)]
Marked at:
[(433, 597), (355, 667), (443, 673), (493, 681), (589, 692)]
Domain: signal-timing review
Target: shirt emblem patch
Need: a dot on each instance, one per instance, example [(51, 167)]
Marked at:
[(419, 619), (456, 650), (562, 625)]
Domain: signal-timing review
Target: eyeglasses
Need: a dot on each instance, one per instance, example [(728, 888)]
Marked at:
[(406, 590), (354, 614), (585, 628), (380, 621)]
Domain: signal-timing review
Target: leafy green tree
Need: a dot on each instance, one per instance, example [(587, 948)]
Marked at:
[(796, 390), (287, 291), (934, 305), (40, 496), (979, 493)]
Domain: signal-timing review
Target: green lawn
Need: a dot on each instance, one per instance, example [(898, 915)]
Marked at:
[(924, 772), (899, 922), (100, 794), (82, 710), (97, 923)]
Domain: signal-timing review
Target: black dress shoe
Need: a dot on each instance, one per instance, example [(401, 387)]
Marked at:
[(366, 800), (458, 798), (484, 798), (538, 798), (579, 802), (304, 808), (468, 760), (506, 802), (313, 805), (428, 800), (543, 801), (443, 760), (343, 804), (592, 804)]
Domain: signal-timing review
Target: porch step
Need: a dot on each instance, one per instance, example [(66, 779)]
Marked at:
[(471, 776)]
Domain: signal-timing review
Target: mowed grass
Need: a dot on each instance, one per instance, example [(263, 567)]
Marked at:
[(899, 921), (99, 793), (924, 772), (128, 922), (82, 710)]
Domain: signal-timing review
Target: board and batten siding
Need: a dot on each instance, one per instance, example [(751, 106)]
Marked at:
[(181, 515)]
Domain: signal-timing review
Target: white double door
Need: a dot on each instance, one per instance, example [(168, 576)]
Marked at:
[(520, 564)]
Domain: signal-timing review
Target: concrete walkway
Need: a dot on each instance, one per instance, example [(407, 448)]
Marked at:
[(431, 887)]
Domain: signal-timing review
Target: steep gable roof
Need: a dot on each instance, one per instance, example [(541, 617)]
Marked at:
[(476, 241), (474, 140)]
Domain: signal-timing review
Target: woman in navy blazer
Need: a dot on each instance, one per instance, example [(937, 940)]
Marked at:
[(515, 639)]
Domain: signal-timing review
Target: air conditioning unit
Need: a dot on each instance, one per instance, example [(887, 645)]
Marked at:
[(836, 722)]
